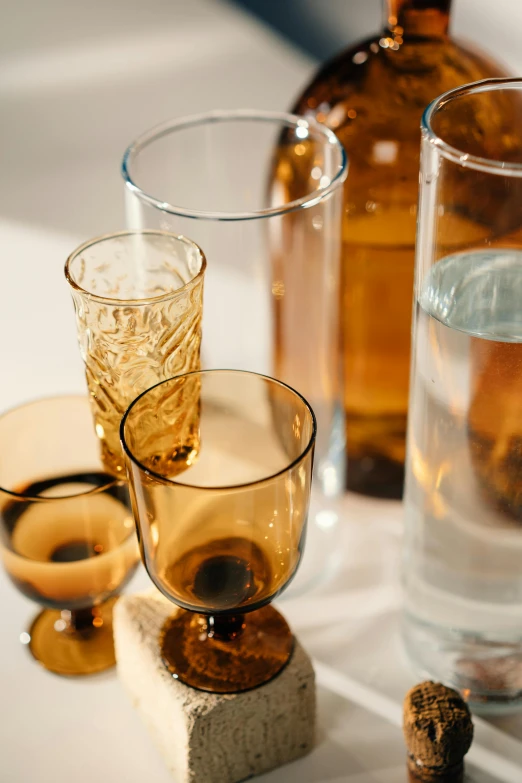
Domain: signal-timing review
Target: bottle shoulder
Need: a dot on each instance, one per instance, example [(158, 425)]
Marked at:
[(370, 83)]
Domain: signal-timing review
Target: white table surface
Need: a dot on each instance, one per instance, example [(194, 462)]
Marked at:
[(76, 84)]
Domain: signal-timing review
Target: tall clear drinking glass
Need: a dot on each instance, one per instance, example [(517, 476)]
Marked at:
[(463, 551), (273, 260)]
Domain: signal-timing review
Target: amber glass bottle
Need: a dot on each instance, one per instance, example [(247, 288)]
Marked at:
[(372, 96)]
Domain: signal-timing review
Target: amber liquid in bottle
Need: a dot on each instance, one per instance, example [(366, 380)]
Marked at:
[(75, 551), (373, 96)]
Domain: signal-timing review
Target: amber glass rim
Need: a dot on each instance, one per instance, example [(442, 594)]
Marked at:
[(111, 480), (167, 296), (163, 479), (461, 157), (237, 115)]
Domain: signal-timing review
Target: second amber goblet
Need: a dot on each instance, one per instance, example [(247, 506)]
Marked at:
[(66, 532), (220, 466)]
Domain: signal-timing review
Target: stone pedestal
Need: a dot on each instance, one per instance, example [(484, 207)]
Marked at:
[(205, 737)]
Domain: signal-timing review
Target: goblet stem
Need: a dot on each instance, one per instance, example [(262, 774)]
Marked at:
[(74, 642), (225, 627), (79, 620)]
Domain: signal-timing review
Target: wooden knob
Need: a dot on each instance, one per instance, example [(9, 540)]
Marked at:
[(438, 731)]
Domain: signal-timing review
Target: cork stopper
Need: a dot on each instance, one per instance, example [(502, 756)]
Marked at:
[(438, 732)]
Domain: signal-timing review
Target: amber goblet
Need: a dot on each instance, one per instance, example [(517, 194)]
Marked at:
[(220, 466), (66, 532)]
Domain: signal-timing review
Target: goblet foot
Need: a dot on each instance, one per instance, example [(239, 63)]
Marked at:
[(74, 643), (226, 654)]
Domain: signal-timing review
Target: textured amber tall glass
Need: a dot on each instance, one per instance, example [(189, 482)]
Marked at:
[(372, 96), (223, 536), (67, 536), (138, 300)]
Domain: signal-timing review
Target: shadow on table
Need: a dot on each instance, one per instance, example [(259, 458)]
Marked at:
[(353, 746), (320, 29)]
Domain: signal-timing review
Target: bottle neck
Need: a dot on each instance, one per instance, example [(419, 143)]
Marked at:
[(405, 19)]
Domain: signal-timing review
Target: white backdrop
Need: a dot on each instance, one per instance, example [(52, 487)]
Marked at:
[(77, 82)]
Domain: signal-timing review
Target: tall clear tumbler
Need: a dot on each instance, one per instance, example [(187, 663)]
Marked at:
[(463, 551), (272, 261)]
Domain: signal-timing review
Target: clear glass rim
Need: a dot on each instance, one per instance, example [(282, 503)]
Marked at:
[(461, 157), (224, 487), (112, 481), (236, 115), (167, 296)]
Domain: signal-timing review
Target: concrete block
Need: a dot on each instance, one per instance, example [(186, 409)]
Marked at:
[(205, 737)]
